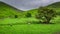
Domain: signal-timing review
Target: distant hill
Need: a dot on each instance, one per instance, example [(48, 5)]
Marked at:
[(8, 11), (55, 6)]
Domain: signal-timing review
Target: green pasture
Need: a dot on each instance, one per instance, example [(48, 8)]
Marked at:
[(21, 26)]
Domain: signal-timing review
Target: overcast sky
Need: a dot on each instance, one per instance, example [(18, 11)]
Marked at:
[(29, 4)]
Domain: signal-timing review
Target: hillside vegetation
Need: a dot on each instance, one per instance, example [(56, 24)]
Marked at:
[(9, 11), (55, 6)]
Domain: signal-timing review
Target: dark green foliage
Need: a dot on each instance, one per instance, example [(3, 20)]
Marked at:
[(28, 15), (16, 16), (45, 14)]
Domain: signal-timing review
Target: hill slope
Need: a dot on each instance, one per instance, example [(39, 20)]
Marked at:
[(55, 6), (8, 11), (33, 12)]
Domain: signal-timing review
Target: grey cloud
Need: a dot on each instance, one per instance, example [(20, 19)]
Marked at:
[(29, 4)]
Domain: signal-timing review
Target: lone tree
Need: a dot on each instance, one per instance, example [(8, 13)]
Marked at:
[(45, 14)]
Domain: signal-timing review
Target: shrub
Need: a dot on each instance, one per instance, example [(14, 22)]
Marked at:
[(28, 15), (16, 16)]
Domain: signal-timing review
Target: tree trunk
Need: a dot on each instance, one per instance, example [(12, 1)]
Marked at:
[(48, 20)]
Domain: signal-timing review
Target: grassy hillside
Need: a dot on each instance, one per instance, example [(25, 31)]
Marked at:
[(33, 12), (55, 6), (9, 11)]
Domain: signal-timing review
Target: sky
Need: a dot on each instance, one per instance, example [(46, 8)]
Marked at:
[(29, 4)]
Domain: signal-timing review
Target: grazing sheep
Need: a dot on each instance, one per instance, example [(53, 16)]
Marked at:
[(29, 23)]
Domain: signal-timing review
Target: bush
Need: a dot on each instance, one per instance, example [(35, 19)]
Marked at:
[(28, 15), (16, 16)]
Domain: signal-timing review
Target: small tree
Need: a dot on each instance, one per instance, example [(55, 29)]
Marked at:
[(16, 16), (45, 14), (28, 15)]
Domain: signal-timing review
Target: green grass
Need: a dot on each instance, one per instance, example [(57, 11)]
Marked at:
[(30, 29), (25, 20), (17, 20), (14, 26)]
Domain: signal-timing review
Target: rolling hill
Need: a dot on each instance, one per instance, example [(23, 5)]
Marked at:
[(55, 6), (9, 11)]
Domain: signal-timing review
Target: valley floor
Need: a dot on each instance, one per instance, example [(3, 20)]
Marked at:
[(14, 26), (30, 29)]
